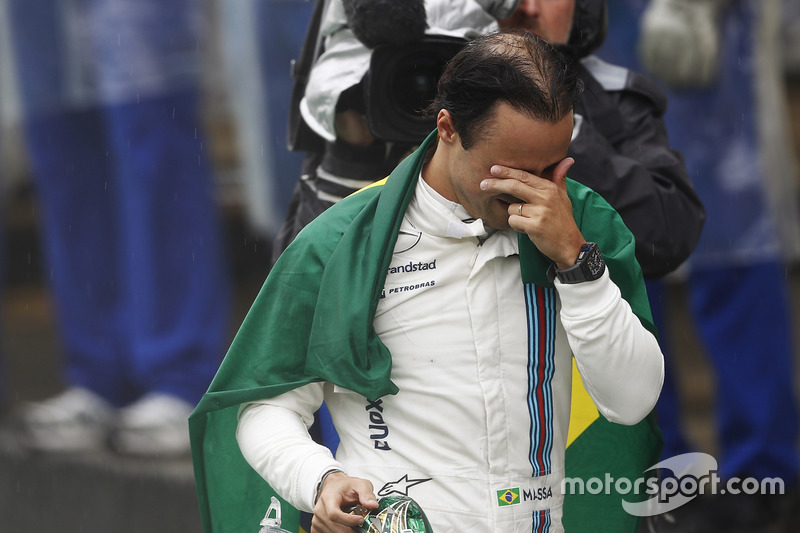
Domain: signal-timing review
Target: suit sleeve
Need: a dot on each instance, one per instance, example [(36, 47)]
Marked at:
[(273, 438), (619, 360)]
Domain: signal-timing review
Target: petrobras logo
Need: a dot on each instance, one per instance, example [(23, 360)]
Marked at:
[(406, 288), (413, 266)]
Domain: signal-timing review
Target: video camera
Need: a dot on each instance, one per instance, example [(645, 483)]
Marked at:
[(401, 83)]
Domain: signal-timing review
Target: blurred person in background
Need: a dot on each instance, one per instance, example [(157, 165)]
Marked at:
[(790, 37), (619, 144), (260, 39), (130, 226), (720, 62), (8, 122)]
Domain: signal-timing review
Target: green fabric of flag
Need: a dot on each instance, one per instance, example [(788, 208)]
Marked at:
[(312, 321)]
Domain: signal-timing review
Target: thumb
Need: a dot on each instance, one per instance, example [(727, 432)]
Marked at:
[(560, 172)]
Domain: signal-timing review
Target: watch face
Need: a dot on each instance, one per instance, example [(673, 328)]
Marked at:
[(595, 263)]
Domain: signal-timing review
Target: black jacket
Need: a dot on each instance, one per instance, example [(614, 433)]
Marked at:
[(622, 152)]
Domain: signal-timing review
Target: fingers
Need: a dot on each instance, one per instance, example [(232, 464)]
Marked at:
[(516, 182), (513, 182), (337, 519), (333, 519), (509, 173), (339, 494), (560, 172)]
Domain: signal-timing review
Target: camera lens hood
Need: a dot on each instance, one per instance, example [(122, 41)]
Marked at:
[(401, 82)]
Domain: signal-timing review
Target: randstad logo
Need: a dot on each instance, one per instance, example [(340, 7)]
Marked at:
[(413, 266), (508, 497)]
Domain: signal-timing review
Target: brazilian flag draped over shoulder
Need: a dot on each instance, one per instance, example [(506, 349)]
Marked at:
[(312, 321)]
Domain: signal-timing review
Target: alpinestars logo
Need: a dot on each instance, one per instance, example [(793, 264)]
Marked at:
[(400, 486)]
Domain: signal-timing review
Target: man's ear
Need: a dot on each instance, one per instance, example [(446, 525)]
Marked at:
[(445, 127)]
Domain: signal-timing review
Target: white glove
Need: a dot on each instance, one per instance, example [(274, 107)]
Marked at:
[(679, 41)]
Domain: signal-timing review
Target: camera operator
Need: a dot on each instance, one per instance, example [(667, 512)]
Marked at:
[(342, 154), (620, 143)]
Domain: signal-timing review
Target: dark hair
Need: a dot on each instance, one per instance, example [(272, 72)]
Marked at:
[(513, 66)]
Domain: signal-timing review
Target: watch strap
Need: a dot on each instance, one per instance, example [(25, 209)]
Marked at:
[(589, 266)]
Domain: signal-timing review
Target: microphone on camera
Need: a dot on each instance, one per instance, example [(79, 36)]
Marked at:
[(377, 22)]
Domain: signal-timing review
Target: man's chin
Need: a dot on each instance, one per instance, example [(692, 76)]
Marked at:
[(496, 222)]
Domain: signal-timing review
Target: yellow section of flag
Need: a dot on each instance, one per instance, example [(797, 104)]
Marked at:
[(583, 411)]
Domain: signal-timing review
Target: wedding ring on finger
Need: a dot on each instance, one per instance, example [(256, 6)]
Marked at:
[(519, 211)]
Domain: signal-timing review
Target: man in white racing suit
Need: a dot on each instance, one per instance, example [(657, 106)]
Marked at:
[(481, 349)]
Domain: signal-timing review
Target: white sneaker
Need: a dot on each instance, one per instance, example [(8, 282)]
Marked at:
[(157, 424), (75, 420)]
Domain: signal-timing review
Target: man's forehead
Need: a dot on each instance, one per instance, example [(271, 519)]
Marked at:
[(528, 143), (502, 111)]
